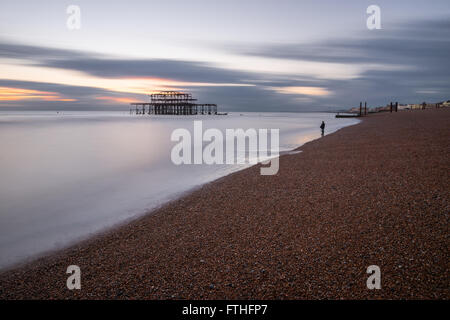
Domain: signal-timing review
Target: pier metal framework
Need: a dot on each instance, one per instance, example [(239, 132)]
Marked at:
[(172, 103)]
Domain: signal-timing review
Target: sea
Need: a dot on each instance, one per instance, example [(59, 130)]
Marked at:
[(68, 175)]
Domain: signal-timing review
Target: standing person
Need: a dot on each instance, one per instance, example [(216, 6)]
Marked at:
[(322, 126)]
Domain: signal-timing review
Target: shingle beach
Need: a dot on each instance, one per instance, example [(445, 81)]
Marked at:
[(376, 193)]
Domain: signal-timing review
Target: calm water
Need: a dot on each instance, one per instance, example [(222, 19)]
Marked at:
[(66, 176)]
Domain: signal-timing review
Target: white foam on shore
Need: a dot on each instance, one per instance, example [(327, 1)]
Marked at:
[(293, 152)]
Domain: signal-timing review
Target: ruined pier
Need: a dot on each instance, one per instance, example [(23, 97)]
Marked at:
[(172, 103)]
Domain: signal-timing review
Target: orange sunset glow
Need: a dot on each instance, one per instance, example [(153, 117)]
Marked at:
[(117, 99), (16, 94), (308, 91)]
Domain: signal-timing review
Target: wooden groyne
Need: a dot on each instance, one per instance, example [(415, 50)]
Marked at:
[(362, 112)]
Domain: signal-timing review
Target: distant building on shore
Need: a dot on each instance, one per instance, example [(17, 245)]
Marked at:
[(404, 106), (446, 103)]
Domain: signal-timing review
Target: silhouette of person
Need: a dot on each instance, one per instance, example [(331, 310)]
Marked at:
[(322, 126)]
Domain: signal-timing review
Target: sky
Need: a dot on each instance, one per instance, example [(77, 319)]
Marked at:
[(245, 55)]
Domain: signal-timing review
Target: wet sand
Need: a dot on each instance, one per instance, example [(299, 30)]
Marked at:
[(377, 193)]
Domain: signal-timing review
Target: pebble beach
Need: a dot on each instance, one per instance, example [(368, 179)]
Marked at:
[(376, 193)]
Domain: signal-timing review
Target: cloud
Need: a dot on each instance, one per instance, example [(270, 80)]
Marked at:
[(29, 52), (19, 94), (51, 96), (401, 45), (304, 91), (258, 96), (105, 66), (405, 63), (167, 69)]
